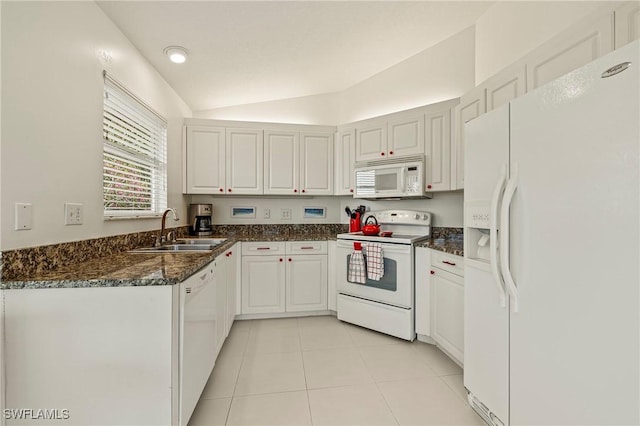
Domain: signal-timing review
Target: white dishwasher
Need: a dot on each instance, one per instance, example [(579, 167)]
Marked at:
[(197, 337)]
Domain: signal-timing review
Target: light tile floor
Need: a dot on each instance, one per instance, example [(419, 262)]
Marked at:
[(320, 371)]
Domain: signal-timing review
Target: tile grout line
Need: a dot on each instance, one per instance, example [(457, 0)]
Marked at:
[(304, 373), (233, 394)]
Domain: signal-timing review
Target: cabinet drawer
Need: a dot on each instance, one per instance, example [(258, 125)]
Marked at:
[(307, 247), (263, 248), (447, 262)]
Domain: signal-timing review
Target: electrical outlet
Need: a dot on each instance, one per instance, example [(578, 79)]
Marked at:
[(267, 214), (24, 216), (73, 214), (285, 214)]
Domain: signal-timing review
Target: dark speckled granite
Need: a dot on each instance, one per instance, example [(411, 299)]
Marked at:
[(105, 262), (448, 240)]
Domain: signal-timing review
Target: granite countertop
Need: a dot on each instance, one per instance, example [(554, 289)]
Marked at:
[(143, 269), (452, 244)]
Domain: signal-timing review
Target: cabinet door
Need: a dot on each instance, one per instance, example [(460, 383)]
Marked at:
[(345, 159), (233, 256), (332, 269), (371, 141), (316, 163), (627, 23), (447, 312), (505, 86), (438, 149), (263, 284), (281, 162), (205, 160), (306, 283), (405, 136), (245, 161), (569, 51), (472, 105), (220, 276), (423, 293)]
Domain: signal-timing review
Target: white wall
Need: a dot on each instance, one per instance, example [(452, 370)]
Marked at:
[(509, 30), (316, 109), (441, 72), (52, 115), (445, 207), (222, 208)]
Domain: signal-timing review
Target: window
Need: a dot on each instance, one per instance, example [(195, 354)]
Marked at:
[(134, 155)]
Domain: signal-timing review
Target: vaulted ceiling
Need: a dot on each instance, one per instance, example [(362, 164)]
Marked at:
[(246, 52)]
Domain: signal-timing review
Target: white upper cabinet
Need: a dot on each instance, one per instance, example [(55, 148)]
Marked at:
[(472, 105), (627, 22), (316, 163), (505, 86), (405, 135), (204, 151), (438, 149), (569, 51), (345, 158), (399, 135), (244, 161), (371, 140), (281, 162)]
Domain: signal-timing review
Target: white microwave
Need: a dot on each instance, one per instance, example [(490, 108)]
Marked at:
[(391, 179)]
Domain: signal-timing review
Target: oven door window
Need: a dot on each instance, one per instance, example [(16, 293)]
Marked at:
[(389, 280)]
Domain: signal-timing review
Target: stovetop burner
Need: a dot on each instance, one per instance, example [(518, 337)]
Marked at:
[(407, 227)]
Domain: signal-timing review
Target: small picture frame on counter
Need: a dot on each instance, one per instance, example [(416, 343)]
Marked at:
[(314, 212), (243, 212)]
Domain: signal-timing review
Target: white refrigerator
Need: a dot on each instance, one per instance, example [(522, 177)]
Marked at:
[(552, 275)]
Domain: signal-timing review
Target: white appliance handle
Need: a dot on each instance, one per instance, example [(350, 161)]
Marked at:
[(493, 235), (504, 235)]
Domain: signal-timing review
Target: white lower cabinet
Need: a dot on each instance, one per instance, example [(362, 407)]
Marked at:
[(447, 303), (107, 355), (117, 355), (306, 283), (263, 281), (423, 294), (279, 277)]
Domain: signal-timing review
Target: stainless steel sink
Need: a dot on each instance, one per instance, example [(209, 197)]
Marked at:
[(198, 241), (184, 245)]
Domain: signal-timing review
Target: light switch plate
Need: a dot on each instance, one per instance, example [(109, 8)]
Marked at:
[(24, 216), (73, 214)]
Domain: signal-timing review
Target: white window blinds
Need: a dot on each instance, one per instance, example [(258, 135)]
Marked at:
[(134, 155)]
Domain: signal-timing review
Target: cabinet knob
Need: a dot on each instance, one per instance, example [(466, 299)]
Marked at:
[(280, 259), (295, 190), (304, 190), (289, 259), (382, 153), (229, 190), (432, 272), (351, 190), (221, 190), (429, 186), (390, 152)]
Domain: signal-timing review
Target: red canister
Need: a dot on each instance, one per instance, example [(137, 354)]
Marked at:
[(354, 223)]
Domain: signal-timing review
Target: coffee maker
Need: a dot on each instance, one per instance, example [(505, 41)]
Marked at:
[(200, 219)]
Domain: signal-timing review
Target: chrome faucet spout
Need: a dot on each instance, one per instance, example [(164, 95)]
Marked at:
[(163, 238)]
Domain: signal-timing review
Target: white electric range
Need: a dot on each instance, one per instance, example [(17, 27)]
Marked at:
[(385, 305)]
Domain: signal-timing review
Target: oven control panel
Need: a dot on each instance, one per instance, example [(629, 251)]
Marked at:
[(405, 217)]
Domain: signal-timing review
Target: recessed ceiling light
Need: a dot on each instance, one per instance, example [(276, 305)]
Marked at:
[(176, 54)]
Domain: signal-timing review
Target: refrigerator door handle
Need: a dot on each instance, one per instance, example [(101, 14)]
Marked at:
[(504, 235), (493, 234)]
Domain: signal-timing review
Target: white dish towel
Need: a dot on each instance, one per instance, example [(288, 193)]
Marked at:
[(357, 272), (375, 261)]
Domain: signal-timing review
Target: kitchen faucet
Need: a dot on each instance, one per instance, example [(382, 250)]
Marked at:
[(162, 237)]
